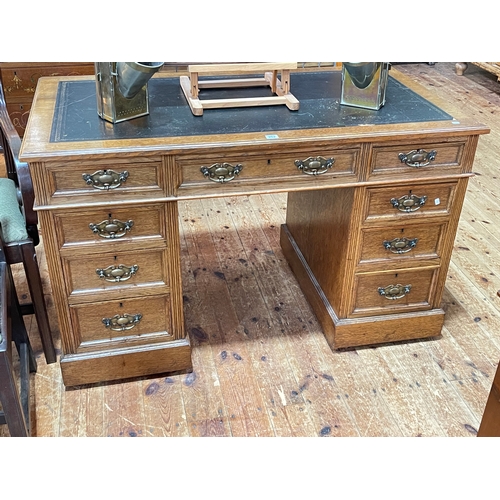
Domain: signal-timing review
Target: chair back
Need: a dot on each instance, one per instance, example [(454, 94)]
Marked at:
[(17, 170)]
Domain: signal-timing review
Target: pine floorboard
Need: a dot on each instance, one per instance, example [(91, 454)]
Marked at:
[(261, 365)]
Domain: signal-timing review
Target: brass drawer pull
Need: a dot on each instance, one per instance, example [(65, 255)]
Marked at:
[(315, 165), (408, 202), (111, 228), (117, 273), (400, 245), (418, 157), (105, 179), (222, 172), (120, 323), (394, 292)]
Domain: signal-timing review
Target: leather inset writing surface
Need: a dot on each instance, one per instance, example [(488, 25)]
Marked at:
[(76, 118)]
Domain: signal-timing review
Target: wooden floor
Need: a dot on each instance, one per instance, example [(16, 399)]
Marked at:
[(261, 364)]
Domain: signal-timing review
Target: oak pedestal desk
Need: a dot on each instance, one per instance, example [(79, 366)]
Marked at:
[(374, 199)]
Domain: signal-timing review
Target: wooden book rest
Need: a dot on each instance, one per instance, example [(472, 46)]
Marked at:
[(191, 85)]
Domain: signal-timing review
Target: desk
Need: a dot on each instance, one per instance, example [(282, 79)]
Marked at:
[(374, 200)]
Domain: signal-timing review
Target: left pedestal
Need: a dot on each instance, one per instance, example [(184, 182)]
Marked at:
[(113, 258)]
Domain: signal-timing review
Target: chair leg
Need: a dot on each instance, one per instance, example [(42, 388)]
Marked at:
[(10, 398), (36, 291), (25, 354), (15, 402), (20, 335)]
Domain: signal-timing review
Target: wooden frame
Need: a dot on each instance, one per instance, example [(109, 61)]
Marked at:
[(191, 85), (492, 67)]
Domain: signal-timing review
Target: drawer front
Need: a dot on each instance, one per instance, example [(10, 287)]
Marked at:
[(389, 292), (105, 180), (124, 272), (114, 227), (123, 322), (419, 159), (401, 243), (410, 201), (245, 168)]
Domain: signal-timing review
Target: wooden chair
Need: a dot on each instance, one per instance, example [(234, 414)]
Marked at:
[(19, 225), (15, 402)]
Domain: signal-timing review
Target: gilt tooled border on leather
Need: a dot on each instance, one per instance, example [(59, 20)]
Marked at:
[(76, 118)]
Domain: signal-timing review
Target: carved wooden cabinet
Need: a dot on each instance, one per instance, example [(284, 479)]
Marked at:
[(19, 81), (373, 206)]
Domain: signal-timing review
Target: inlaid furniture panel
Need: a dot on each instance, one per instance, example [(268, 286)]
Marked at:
[(20, 80), (374, 199)]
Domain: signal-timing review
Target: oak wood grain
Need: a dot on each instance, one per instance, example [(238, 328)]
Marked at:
[(466, 355)]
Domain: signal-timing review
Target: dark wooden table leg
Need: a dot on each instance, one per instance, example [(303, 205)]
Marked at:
[(490, 423)]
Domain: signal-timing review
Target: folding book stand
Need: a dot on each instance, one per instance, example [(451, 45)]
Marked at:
[(191, 85)]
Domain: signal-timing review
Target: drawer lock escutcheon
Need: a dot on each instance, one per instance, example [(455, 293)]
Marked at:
[(120, 323), (418, 157), (408, 202), (315, 165), (394, 292), (117, 273), (400, 245), (222, 172), (111, 228), (105, 179)]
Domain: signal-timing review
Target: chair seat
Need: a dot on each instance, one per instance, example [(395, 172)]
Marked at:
[(11, 219)]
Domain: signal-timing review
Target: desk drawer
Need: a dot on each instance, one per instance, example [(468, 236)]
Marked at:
[(132, 321), (114, 226), (389, 292), (418, 159), (105, 180), (124, 273), (402, 243), (412, 201), (300, 165)]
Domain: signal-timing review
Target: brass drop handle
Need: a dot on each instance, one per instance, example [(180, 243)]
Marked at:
[(315, 165), (400, 245), (117, 273), (124, 322), (408, 202), (394, 292), (105, 179), (111, 228), (222, 172), (418, 157)]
